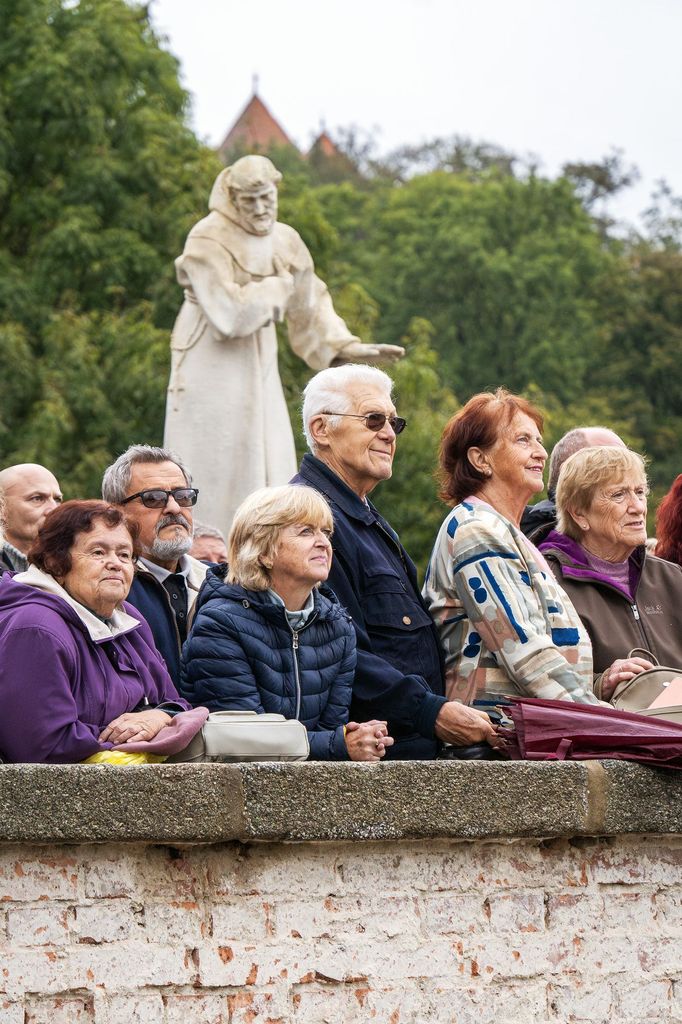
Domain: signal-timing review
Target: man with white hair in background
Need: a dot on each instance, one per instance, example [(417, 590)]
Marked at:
[(30, 491), (540, 519), (351, 427), (154, 488)]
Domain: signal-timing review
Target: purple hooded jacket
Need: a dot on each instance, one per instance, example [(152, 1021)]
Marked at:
[(59, 686)]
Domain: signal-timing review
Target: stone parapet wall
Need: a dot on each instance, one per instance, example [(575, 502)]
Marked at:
[(466, 925)]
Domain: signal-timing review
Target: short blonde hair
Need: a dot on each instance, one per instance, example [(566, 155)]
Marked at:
[(584, 473), (257, 524)]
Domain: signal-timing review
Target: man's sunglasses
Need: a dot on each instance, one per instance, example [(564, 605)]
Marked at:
[(157, 498), (375, 420)]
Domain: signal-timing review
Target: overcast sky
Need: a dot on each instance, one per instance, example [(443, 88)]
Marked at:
[(560, 79)]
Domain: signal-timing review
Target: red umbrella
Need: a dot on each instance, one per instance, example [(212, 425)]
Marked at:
[(558, 730)]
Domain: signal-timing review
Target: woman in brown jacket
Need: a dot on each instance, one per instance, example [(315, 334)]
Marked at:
[(626, 598)]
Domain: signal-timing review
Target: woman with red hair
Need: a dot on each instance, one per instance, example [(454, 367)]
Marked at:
[(505, 623), (669, 524)]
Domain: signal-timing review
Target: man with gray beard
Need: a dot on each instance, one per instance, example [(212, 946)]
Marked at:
[(155, 490)]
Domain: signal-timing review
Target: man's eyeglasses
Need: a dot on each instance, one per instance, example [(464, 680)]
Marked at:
[(375, 420), (158, 498)]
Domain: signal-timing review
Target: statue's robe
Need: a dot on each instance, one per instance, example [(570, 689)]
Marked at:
[(225, 413)]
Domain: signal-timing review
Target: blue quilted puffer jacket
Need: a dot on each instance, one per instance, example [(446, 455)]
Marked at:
[(242, 654)]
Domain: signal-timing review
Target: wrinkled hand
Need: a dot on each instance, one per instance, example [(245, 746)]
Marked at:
[(358, 352), (135, 726), (461, 725), (622, 670), (367, 741)]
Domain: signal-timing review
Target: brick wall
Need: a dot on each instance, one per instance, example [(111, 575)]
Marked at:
[(402, 933)]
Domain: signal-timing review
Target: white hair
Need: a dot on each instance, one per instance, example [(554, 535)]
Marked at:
[(328, 391)]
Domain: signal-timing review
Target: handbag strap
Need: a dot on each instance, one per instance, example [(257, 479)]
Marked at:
[(641, 652)]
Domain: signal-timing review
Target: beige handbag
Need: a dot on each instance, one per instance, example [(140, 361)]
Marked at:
[(638, 693), (247, 736)]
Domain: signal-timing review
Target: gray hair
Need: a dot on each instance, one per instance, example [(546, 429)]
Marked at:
[(329, 388), (203, 530), (569, 444), (116, 479)]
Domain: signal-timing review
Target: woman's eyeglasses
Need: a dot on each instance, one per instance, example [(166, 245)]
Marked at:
[(158, 498), (375, 420)]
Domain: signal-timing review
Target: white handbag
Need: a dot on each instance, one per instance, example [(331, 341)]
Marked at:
[(247, 736)]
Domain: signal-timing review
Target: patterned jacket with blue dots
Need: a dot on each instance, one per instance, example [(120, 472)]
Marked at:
[(505, 623)]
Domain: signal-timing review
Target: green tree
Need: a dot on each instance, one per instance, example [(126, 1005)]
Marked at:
[(100, 180)]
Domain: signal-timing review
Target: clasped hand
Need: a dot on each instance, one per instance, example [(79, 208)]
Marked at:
[(134, 726), (367, 741)]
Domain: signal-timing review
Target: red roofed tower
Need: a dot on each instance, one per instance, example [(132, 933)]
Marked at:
[(255, 130)]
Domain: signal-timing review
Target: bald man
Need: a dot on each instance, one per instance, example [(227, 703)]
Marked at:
[(29, 492), (540, 519)]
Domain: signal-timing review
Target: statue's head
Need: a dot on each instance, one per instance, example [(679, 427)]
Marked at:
[(251, 185)]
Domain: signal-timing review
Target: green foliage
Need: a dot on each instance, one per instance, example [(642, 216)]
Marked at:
[(488, 273), (100, 180)]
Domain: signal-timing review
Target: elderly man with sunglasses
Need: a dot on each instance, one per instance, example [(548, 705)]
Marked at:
[(154, 488), (351, 427)]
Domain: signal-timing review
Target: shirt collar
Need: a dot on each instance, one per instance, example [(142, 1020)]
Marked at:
[(162, 574)]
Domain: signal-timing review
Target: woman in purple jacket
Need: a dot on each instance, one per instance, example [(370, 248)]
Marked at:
[(78, 673)]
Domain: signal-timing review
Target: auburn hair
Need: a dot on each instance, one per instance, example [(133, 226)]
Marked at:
[(51, 550), (669, 524), (477, 425)]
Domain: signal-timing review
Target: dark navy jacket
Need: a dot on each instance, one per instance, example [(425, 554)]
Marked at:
[(242, 654), (399, 676), (153, 603)]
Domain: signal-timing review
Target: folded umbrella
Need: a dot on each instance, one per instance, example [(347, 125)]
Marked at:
[(557, 730)]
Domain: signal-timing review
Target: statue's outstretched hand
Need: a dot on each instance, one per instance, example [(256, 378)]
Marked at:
[(358, 352)]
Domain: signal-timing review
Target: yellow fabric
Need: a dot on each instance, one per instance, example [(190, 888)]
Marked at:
[(120, 757)]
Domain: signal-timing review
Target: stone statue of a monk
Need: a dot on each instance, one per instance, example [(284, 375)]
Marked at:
[(242, 272)]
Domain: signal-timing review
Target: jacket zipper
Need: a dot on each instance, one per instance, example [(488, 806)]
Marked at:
[(294, 645), (647, 642), (297, 673)]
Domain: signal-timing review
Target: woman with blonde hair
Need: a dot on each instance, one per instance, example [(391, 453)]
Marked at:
[(269, 637), (626, 598)]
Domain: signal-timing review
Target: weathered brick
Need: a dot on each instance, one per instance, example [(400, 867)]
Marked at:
[(336, 917), (632, 862), (245, 919), (157, 872), (44, 925), (66, 1009), (133, 1008), (200, 1008), (184, 922), (30, 877), (641, 1000), (575, 1001), (274, 869), (260, 1006), (449, 913), (11, 1012), (517, 912), (247, 964), (574, 911), (116, 966), (119, 919), (481, 1003)]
